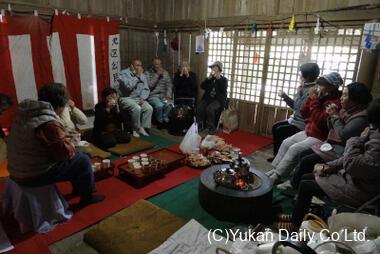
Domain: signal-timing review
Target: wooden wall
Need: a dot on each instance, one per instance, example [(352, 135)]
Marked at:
[(140, 9), (136, 44), (188, 17), (171, 10)]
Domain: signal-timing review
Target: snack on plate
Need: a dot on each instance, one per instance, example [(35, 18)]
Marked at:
[(198, 160), (223, 147), (217, 157)]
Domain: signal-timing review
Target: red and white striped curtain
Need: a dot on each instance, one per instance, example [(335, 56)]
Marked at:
[(83, 54)]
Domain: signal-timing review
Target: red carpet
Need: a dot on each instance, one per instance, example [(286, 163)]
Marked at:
[(118, 194), (247, 142)]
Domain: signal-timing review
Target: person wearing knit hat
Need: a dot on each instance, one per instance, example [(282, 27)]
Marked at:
[(321, 97), (214, 98), (333, 78)]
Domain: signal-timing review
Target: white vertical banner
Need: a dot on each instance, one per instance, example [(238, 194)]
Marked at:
[(114, 58), (87, 70), (20, 48), (56, 59)]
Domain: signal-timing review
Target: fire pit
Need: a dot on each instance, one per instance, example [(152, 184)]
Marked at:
[(237, 176), (236, 194)]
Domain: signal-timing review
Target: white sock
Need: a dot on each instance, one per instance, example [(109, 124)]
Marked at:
[(135, 134), (143, 132)]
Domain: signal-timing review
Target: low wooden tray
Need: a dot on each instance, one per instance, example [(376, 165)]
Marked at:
[(171, 160), (104, 172), (139, 177)]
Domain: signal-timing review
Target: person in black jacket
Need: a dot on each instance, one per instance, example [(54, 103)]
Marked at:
[(214, 98), (185, 86), (108, 124)]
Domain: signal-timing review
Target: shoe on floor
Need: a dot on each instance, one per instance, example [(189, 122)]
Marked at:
[(285, 185), (270, 159), (92, 199), (135, 134), (143, 132)]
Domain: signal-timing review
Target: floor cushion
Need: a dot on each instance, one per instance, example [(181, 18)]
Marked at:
[(136, 145), (137, 229)]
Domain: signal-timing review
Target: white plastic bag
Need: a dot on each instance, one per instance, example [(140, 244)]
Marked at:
[(191, 141)]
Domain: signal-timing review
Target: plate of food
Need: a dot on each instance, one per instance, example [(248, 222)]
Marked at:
[(222, 146), (198, 160), (217, 157)]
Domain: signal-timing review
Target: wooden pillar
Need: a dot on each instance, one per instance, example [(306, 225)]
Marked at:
[(376, 78), (367, 67)]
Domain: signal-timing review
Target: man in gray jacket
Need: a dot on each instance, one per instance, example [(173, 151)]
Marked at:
[(161, 88), (134, 92)]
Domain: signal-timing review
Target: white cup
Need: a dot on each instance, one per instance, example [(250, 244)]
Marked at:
[(136, 158), (143, 155), (136, 164), (106, 163), (131, 162), (97, 166)]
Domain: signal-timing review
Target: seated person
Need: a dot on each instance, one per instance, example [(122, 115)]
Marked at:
[(134, 91), (309, 72), (352, 179), (72, 116), (40, 153), (214, 98), (349, 122), (108, 124), (185, 86), (160, 96), (5, 103), (315, 115)]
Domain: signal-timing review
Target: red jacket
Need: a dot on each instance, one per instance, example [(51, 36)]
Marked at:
[(314, 113)]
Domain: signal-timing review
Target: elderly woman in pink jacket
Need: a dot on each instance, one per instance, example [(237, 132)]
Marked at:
[(352, 179)]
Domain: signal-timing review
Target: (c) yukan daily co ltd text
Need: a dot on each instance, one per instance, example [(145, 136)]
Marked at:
[(215, 235)]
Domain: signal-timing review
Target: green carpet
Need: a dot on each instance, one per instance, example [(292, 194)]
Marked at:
[(183, 202), (159, 141)]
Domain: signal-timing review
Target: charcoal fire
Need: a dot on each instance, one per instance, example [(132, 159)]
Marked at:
[(236, 176)]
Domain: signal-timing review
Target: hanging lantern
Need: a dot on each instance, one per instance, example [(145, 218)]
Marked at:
[(317, 28), (254, 27), (174, 44), (292, 24), (270, 27)]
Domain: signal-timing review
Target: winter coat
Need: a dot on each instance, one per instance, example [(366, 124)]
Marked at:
[(350, 123), (296, 118), (215, 89), (315, 115), (135, 87), (160, 85), (185, 87), (358, 179), (28, 157)]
